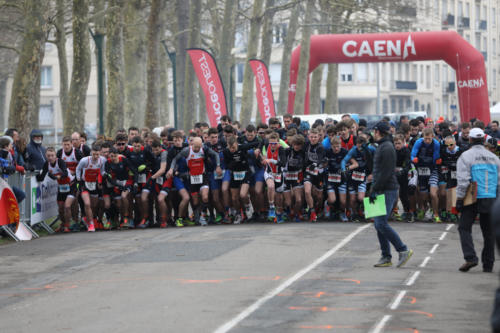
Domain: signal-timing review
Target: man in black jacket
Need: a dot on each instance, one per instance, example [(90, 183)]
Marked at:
[(385, 182)]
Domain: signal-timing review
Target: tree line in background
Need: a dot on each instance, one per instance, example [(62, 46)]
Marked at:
[(137, 34)]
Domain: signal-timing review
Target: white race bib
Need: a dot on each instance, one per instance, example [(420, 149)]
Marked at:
[(216, 176), (424, 172), (64, 188), (239, 175), (313, 171), (121, 182), (334, 178), (444, 169), (159, 180), (142, 178), (453, 175), (91, 186), (358, 176), (292, 175), (277, 177), (196, 179)]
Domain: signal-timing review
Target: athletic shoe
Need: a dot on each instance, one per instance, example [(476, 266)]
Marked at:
[(163, 225), (226, 220), (453, 218), (125, 224), (404, 256), (443, 215), (178, 222), (249, 212), (410, 218), (218, 219), (106, 225), (271, 215), (279, 218), (75, 227), (467, 265), (420, 215), (436, 219), (91, 227), (203, 221), (189, 222), (313, 217), (355, 218), (237, 219), (298, 218), (429, 215), (396, 216), (66, 230), (383, 262), (143, 224), (343, 217)]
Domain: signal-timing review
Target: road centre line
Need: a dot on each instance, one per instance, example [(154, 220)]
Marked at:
[(443, 235), (449, 227), (434, 248), (380, 326), (424, 262), (412, 278), (257, 304), (394, 305)]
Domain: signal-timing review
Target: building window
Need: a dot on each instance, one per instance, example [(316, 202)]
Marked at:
[(493, 16), (345, 72), (362, 73), (385, 106), (393, 105), (436, 75), (240, 68), (46, 115), (494, 78), (401, 106), (428, 76), (494, 46), (46, 77), (422, 74), (275, 73), (415, 105)]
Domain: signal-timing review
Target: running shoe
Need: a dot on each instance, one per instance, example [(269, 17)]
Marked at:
[(218, 219), (279, 218), (453, 218), (203, 221), (143, 224), (178, 222), (298, 218), (384, 262), (238, 219), (189, 222), (106, 225), (410, 218), (124, 225), (404, 256), (420, 215), (343, 217), (313, 217), (163, 224), (75, 227), (249, 212), (91, 227), (436, 219), (271, 216), (429, 215)]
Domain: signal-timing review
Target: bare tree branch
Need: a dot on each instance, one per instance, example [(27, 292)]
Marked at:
[(9, 48)]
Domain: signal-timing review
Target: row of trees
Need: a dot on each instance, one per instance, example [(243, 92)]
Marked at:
[(137, 66)]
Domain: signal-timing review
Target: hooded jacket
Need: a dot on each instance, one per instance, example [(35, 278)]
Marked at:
[(35, 153), (384, 166)]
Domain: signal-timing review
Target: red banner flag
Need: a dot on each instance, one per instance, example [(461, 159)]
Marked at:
[(264, 90), (209, 78)]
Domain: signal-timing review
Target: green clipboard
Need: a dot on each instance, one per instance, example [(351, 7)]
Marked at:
[(375, 209)]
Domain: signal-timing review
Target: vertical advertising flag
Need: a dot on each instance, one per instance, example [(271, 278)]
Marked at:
[(264, 91), (209, 78)]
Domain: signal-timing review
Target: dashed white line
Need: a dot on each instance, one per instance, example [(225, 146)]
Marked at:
[(434, 248), (449, 227), (380, 326), (424, 262), (412, 278), (394, 305), (443, 235), (257, 304)]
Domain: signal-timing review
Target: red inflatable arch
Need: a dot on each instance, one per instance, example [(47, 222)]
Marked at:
[(404, 46)]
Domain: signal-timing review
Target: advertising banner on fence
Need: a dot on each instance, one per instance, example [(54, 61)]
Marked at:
[(264, 91), (209, 78), (43, 199), (9, 211)]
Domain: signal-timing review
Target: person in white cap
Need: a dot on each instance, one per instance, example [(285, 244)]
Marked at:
[(480, 166)]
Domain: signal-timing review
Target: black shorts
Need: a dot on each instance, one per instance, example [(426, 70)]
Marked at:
[(91, 188), (64, 192), (236, 183), (154, 185), (195, 188), (316, 180)]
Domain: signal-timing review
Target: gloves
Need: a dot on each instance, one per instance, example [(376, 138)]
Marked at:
[(459, 205), (20, 169), (373, 196), (415, 160), (141, 168), (439, 161)]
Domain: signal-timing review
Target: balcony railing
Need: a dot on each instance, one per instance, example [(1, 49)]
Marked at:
[(483, 25), (406, 85), (449, 20), (463, 22)]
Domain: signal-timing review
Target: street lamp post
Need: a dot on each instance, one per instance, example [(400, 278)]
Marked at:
[(98, 40), (172, 57)]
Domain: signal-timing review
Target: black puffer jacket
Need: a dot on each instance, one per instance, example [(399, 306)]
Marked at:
[(384, 165)]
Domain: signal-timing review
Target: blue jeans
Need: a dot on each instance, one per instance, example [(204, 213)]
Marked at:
[(385, 233)]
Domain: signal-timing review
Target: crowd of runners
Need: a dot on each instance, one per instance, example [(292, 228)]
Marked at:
[(276, 172)]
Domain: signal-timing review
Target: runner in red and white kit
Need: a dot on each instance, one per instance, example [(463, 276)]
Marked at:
[(89, 174), (71, 156), (196, 157), (57, 169)]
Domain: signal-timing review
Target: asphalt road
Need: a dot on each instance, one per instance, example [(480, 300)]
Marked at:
[(298, 277)]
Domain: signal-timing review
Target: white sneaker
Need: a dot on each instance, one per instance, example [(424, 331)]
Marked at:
[(203, 221), (249, 212), (237, 219), (429, 215)]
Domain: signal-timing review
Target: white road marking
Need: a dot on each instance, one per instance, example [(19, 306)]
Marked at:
[(449, 227), (424, 263), (412, 278), (380, 326), (434, 248), (394, 305), (257, 304), (443, 235)]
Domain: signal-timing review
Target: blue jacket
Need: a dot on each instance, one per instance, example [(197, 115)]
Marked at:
[(421, 144), (35, 153)]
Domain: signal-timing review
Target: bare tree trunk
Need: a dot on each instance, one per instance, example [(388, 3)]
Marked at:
[(315, 98), (181, 42), (100, 29), (248, 79), (81, 68), (285, 64), (225, 60), (190, 89), (331, 100), (24, 102), (164, 100), (134, 44), (267, 33), (153, 78), (62, 58), (3, 97), (114, 62), (303, 73)]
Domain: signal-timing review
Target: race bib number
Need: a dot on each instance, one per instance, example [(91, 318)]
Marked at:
[(444, 169), (453, 175), (292, 175), (424, 172), (398, 170), (334, 178), (216, 176), (159, 180), (239, 175), (121, 182), (313, 171), (142, 178), (277, 177), (196, 179), (64, 188), (91, 186), (358, 176)]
